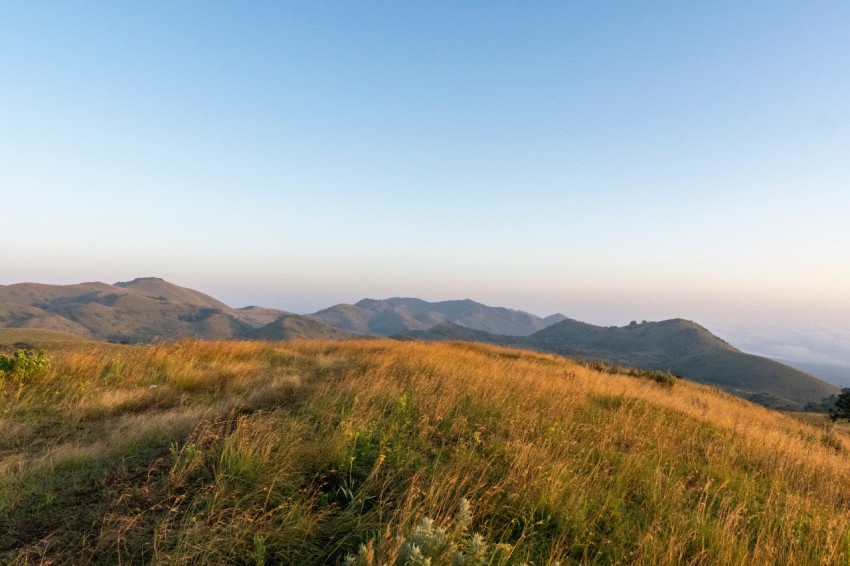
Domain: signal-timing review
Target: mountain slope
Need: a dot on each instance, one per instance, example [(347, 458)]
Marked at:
[(290, 326), (161, 290), (687, 349), (141, 310), (645, 344), (149, 308), (259, 316), (396, 315), (13, 315), (449, 331), (678, 346)]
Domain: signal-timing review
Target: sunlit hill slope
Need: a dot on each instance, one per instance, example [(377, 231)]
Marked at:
[(301, 452), (150, 309), (681, 347)]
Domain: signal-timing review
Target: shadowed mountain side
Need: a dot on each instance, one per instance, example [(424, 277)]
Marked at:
[(291, 326), (259, 316), (553, 319), (448, 331), (646, 344), (397, 315), (762, 380), (141, 310), (25, 316), (678, 346), (345, 317), (837, 374)]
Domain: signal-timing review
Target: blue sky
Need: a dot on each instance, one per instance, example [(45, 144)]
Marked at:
[(611, 161)]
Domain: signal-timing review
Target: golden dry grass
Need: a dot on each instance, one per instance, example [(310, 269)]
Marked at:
[(298, 452)]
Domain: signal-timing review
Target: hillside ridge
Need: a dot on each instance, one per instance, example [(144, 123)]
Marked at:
[(148, 309), (678, 346)]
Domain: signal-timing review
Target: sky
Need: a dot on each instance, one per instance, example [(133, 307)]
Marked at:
[(612, 161)]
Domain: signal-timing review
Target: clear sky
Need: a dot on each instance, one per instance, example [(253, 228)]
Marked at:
[(610, 161)]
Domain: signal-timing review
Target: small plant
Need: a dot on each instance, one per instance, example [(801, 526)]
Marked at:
[(259, 554), (432, 544), (24, 365)]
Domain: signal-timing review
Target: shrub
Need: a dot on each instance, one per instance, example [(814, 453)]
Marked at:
[(431, 544), (24, 365), (841, 408), (664, 378)]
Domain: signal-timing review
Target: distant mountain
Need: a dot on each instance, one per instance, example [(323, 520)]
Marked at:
[(685, 348), (678, 346), (292, 326), (150, 308), (649, 344), (140, 310), (260, 316), (392, 316), (836, 374), (449, 331)]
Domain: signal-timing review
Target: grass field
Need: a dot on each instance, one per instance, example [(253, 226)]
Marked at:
[(301, 452), (36, 338)]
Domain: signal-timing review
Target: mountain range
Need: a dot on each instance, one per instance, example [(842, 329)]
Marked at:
[(149, 309), (391, 316), (145, 310)]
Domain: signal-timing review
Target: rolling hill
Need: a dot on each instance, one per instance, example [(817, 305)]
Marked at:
[(392, 316), (687, 349), (289, 327), (143, 310), (678, 346), (151, 309)]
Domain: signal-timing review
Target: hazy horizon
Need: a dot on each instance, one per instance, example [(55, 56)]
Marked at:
[(609, 162), (806, 344)]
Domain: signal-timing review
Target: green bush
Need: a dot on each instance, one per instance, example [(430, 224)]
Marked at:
[(664, 378), (841, 407), (24, 365)]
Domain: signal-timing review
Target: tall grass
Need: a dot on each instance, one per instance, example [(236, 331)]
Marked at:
[(301, 452)]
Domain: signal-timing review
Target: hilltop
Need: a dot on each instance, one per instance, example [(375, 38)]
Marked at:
[(301, 452)]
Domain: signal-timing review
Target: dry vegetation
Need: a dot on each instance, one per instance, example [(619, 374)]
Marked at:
[(299, 452)]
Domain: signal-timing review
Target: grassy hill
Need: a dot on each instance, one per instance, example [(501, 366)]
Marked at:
[(301, 452), (30, 338), (448, 331), (151, 309), (687, 349), (397, 315), (678, 346)]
